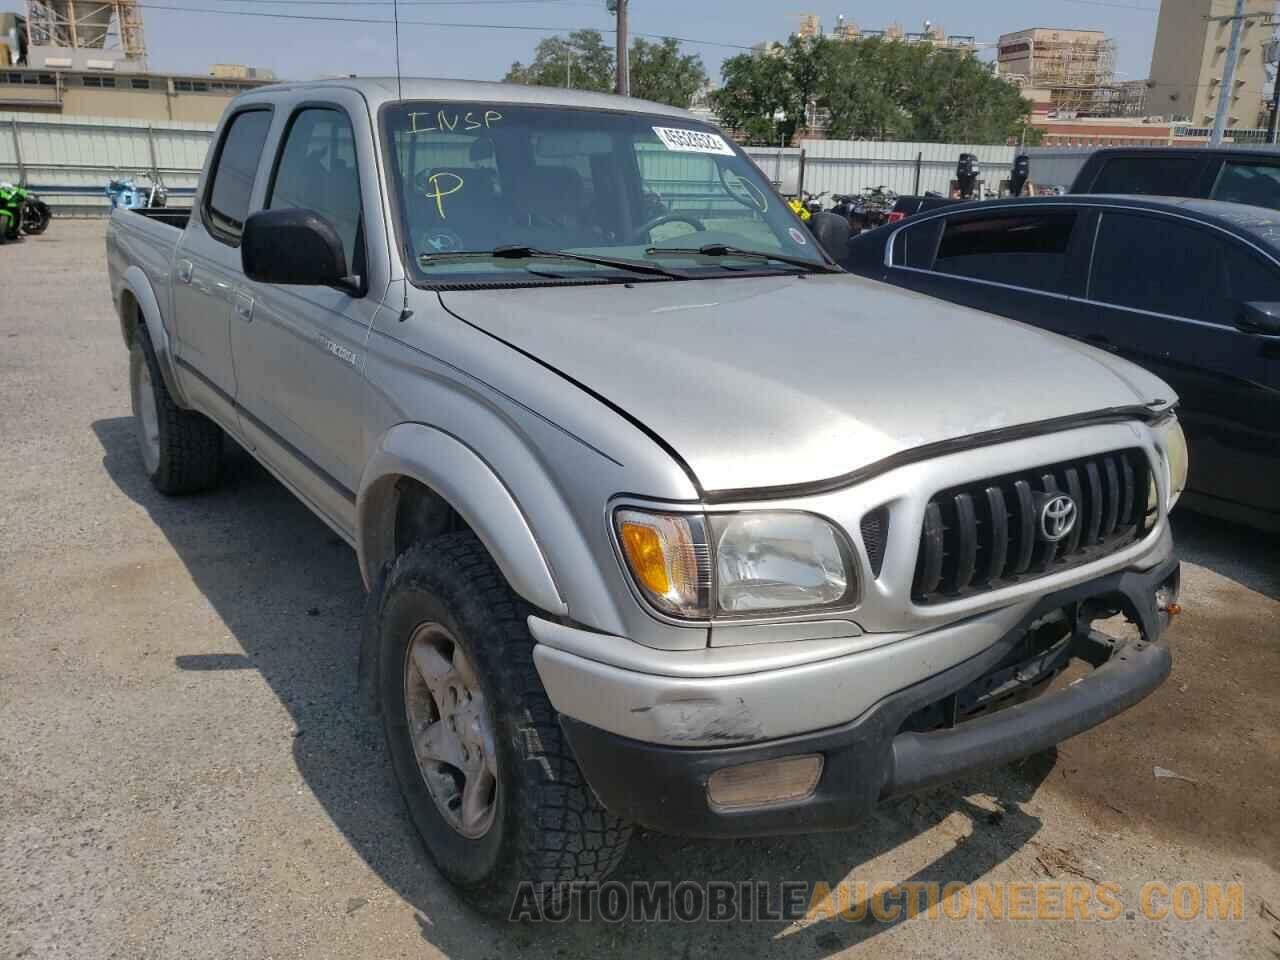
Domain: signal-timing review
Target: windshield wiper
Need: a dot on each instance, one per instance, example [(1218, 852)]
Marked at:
[(517, 252), (723, 250)]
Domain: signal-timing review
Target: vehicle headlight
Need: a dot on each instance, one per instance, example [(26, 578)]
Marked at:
[(736, 564), (1173, 445), (1179, 462)]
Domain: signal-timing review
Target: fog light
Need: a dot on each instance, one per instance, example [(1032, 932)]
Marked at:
[(764, 782)]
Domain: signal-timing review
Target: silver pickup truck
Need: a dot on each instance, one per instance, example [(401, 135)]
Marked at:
[(665, 520)]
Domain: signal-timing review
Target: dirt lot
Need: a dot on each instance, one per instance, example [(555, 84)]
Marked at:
[(186, 770)]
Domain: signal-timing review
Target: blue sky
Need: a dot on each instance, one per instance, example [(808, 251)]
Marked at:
[(188, 42)]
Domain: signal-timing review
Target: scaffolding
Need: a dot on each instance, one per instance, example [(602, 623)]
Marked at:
[(87, 25), (1078, 72)]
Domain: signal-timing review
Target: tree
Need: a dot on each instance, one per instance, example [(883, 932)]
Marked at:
[(875, 88), (659, 71), (582, 60)]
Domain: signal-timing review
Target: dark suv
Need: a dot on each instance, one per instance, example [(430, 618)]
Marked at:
[(1234, 174)]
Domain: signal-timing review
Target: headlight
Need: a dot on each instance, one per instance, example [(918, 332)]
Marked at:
[(752, 563), (1173, 445), (1179, 462)]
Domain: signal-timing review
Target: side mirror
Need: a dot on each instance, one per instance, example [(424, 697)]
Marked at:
[(832, 231), (292, 246), (1259, 317)]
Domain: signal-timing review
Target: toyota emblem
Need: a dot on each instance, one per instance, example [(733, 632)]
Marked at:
[(1057, 518)]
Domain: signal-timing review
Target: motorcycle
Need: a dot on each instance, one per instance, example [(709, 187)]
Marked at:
[(876, 204), (35, 216), (124, 193), (13, 200)]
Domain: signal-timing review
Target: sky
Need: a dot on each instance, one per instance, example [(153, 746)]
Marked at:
[(185, 41)]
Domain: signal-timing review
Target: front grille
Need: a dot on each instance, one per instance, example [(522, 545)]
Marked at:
[(875, 536), (987, 534)]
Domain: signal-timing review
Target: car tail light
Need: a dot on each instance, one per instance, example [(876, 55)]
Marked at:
[(896, 215)]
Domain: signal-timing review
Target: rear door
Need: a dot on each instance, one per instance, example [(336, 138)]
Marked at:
[(207, 275), (1027, 263), (1165, 292)]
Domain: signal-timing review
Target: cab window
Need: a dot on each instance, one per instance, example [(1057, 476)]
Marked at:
[(233, 174), (317, 171)]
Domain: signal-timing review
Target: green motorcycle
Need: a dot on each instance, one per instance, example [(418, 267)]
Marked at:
[(13, 202)]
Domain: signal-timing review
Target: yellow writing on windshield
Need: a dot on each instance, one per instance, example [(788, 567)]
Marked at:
[(449, 121), (443, 184)]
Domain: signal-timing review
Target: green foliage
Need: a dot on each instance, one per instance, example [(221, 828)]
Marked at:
[(659, 71), (592, 63), (873, 88)]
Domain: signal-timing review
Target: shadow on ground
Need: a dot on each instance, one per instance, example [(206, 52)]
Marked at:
[(290, 594), (1244, 554)]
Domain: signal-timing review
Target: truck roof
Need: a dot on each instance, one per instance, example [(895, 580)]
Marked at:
[(380, 90)]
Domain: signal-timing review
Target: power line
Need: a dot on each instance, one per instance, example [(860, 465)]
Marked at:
[(1115, 6), (323, 18)]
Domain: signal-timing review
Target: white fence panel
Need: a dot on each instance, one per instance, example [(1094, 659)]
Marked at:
[(68, 160), (849, 166)]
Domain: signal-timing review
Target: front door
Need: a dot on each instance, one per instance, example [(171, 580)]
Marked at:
[(300, 349)]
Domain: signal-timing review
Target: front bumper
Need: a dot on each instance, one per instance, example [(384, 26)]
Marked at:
[(873, 757)]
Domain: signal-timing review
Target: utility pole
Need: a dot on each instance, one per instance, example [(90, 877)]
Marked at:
[(619, 9), (1227, 87)]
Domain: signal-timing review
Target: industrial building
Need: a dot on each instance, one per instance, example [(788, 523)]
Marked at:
[(89, 58), (1192, 37), (1070, 71)]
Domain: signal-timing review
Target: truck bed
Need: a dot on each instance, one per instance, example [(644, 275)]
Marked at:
[(172, 216)]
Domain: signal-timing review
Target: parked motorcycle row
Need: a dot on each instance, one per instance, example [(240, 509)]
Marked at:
[(878, 205), (21, 212)]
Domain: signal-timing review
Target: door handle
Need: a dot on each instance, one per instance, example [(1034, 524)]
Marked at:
[(244, 307), (184, 270)]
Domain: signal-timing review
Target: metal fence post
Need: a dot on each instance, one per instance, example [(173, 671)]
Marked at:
[(151, 146), (919, 163), (800, 175), (17, 152)]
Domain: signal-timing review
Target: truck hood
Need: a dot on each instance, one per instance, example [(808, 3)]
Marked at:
[(782, 380)]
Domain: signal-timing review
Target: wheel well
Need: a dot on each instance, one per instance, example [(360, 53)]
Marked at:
[(130, 315), (421, 514)]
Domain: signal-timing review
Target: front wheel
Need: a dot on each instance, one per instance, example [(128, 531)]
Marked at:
[(490, 783), (35, 219)]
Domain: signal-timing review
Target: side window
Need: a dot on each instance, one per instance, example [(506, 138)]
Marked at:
[(1156, 264), (1257, 184), (915, 246), (1153, 176), (1025, 250), (232, 176), (317, 171), (1248, 276)]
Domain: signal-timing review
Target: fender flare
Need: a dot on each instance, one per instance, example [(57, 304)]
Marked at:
[(467, 483), (138, 286)]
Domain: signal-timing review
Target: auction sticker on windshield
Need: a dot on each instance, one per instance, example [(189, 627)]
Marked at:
[(693, 141)]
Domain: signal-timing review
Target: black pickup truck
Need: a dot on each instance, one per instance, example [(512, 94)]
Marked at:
[(1235, 174)]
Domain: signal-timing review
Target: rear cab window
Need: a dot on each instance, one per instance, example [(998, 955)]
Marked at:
[(226, 205), (1019, 249), (1156, 176)]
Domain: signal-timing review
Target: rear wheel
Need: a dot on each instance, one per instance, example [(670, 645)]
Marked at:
[(491, 785), (181, 449)]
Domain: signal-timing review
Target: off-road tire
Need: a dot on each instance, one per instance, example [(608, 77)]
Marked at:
[(189, 444), (549, 828)]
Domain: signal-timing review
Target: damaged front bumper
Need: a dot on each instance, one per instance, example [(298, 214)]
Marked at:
[(990, 709)]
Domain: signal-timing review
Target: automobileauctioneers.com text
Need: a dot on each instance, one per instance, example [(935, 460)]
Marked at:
[(859, 901)]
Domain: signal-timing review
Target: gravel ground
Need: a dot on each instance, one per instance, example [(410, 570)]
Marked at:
[(186, 769)]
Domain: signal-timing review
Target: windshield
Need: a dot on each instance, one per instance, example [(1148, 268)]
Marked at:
[(472, 178)]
